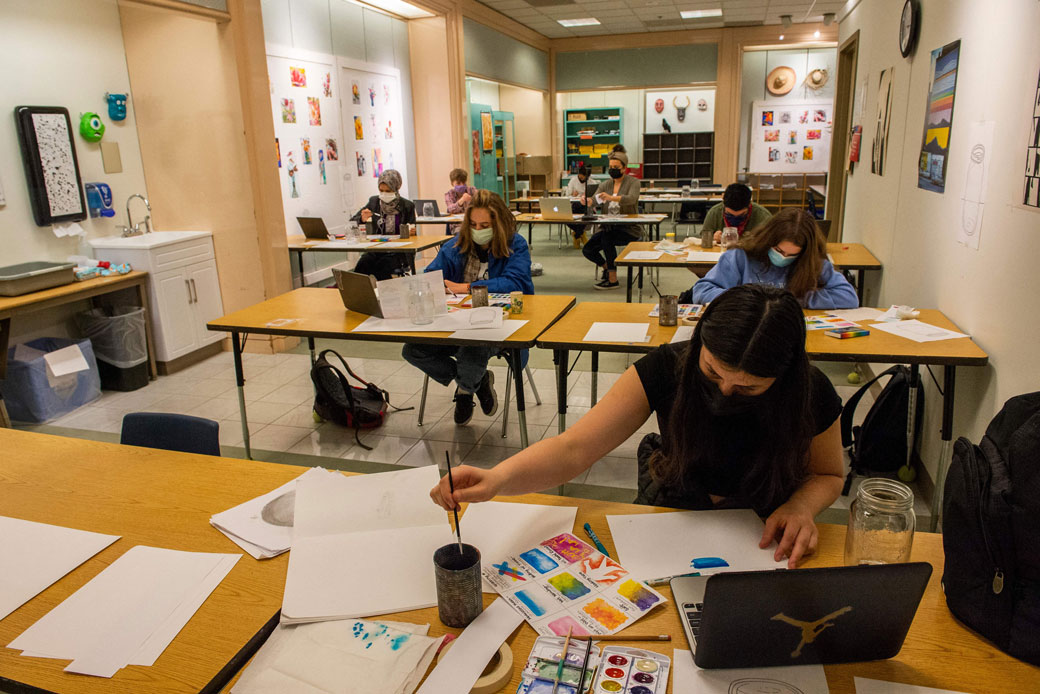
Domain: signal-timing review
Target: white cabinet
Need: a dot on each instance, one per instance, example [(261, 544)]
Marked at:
[(184, 290)]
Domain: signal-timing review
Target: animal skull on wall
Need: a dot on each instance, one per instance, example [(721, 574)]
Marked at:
[(680, 111)]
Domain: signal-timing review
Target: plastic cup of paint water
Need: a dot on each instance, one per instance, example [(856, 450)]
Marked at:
[(457, 574), (668, 310)]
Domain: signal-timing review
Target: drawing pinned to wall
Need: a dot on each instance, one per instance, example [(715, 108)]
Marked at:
[(298, 76), (935, 144), (767, 117), (791, 157), (386, 94), (331, 150), (326, 85), (803, 117), (288, 111), (305, 145), (476, 152), (372, 119), (321, 166), (377, 162), (792, 137), (359, 128), (774, 154), (819, 115), (314, 106), (362, 166), (487, 131), (814, 134), (807, 153), (772, 135), (292, 170), (879, 149), (388, 132), (278, 152), (355, 93), (973, 202), (1031, 187), (371, 95), (785, 117)]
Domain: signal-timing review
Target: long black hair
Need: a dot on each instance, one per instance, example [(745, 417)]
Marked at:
[(759, 330)]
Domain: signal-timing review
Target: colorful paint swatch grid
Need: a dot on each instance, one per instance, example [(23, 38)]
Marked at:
[(827, 323), (564, 584), (685, 310)]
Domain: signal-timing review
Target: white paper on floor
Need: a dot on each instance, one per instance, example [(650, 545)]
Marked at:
[(656, 545), (341, 656), (43, 553), (500, 529), (616, 332), (867, 686), (129, 613), (263, 526), (917, 331), (363, 545), (797, 679)]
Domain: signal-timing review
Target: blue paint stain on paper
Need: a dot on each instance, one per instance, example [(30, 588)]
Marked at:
[(360, 631), (708, 562), (529, 600), (541, 562)]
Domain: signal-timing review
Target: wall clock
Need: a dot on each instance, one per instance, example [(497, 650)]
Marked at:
[(909, 25)]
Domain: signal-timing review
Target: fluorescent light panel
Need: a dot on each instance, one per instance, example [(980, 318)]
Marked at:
[(398, 7), (584, 22), (700, 14)]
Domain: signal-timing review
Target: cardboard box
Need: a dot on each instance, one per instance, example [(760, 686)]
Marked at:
[(534, 165)]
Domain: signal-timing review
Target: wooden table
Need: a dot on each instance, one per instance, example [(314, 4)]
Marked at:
[(844, 256), (11, 306), (879, 347), (165, 499), (320, 313), (416, 244), (651, 221)]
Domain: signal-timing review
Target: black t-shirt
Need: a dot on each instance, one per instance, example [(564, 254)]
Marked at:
[(659, 373)]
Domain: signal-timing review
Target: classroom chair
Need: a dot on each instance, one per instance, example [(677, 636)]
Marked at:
[(505, 402), (171, 432)]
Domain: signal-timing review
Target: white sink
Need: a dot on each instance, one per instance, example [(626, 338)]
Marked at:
[(146, 241)]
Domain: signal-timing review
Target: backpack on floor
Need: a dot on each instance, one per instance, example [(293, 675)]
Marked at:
[(337, 401), (878, 446), (991, 512)]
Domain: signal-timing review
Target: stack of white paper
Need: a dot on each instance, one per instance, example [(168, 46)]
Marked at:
[(483, 318), (42, 554), (363, 545), (129, 613), (616, 332), (690, 679), (341, 656), (917, 331), (263, 526)]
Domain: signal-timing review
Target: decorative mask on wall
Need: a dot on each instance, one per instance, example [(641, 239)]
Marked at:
[(680, 111), (702, 105), (91, 127), (116, 106), (659, 105)]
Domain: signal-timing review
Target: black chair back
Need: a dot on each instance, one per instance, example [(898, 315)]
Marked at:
[(171, 432)]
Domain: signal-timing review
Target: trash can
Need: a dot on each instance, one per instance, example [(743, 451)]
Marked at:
[(32, 390), (117, 334)]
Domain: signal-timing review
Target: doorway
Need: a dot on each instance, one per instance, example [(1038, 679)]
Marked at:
[(848, 57)]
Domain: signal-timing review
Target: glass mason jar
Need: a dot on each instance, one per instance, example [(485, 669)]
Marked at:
[(730, 237), (613, 209), (881, 523), (420, 305)]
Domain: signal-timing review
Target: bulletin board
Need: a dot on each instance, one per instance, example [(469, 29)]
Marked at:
[(791, 136), (373, 128), (308, 143), (696, 120)]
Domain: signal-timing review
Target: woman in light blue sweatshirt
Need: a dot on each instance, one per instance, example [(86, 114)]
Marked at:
[(788, 252)]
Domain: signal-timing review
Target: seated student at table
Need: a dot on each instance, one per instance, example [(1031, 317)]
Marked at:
[(735, 210), (458, 198), (487, 251), (389, 211), (745, 421), (577, 190), (790, 251), (602, 247)]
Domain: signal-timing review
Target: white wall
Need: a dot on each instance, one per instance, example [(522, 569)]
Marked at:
[(484, 92), (993, 293)]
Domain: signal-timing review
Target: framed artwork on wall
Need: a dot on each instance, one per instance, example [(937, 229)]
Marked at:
[(51, 167), (935, 144), (487, 131)]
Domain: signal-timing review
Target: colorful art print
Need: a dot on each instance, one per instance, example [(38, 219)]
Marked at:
[(305, 145), (359, 128), (791, 157), (487, 131), (792, 137), (377, 162), (767, 117), (386, 94), (321, 166), (355, 93), (326, 85), (388, 132), (827, 322), (298, 76), (288, 111), (931, 173), (314, 106), (361, 164), (476, 152), (372, 120), (785, 116), (807, 153), (371, 95), (819, 115), (331, 149), (774, 154), (292, 170), (772, 135), (803, 117), (814, 134), (278, 152)]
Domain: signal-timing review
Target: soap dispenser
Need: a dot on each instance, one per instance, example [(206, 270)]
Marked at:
[(99, 200)]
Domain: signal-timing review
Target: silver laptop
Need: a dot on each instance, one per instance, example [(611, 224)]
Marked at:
[(358, 292), (556, 209), (801, 616)]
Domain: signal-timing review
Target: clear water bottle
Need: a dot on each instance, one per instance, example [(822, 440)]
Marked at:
[(427, 209), (881, 523), (352, 233), (614, 209), (420, 304)]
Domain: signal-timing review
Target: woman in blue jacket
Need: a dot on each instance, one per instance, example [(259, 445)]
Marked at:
[(488, 252), (789, 252)]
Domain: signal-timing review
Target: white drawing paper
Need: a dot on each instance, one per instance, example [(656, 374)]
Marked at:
[(973, 200), (796, 679), (868, 686), (702, 256), (917, 331), (43, 553), (684, 333), (855, 314), (491, 334), (644, 255), (616, 332), (656, 545), (395, 244), (481, 318), (343, 244)]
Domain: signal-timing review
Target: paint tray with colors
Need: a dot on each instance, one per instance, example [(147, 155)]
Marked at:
[(564, 584), (632, 671), (543, 665)]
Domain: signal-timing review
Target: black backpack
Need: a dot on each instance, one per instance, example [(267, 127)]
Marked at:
[(337, 401), (878, 446), (991, 518)]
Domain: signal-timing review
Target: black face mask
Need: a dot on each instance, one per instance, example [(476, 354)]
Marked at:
[(615, 173), (721, 405)]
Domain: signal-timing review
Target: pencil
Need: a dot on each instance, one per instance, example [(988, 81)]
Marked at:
[(563, 659), (451, 485), (622, 637)]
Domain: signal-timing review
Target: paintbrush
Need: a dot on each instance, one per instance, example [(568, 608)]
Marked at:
[(584, 667), (563, 660), (451, 485), (622, 637), (655, 288)]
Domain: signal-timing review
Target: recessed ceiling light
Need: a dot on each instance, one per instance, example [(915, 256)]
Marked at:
[(584, 22), (700, 14), (816, 34)]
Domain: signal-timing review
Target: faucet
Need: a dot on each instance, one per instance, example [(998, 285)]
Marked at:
[(133, 229)]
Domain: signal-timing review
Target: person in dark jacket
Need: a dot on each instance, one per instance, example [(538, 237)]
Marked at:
[(389, 211)]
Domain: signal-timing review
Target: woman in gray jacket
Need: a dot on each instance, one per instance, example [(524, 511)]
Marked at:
[(602, 247)]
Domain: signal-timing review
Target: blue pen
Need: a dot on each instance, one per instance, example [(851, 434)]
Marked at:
[(595, 540)]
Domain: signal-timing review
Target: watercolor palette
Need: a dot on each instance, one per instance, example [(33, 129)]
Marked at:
[(827, 322), (564, 584), (632, 671), (543, 664)]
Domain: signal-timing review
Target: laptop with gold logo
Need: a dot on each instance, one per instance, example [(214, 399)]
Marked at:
[(802, 616)]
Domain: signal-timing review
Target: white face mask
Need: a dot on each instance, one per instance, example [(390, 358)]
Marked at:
[(387, 197), (482, 237)]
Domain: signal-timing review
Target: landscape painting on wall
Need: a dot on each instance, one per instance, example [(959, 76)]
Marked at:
[(935, 145)]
